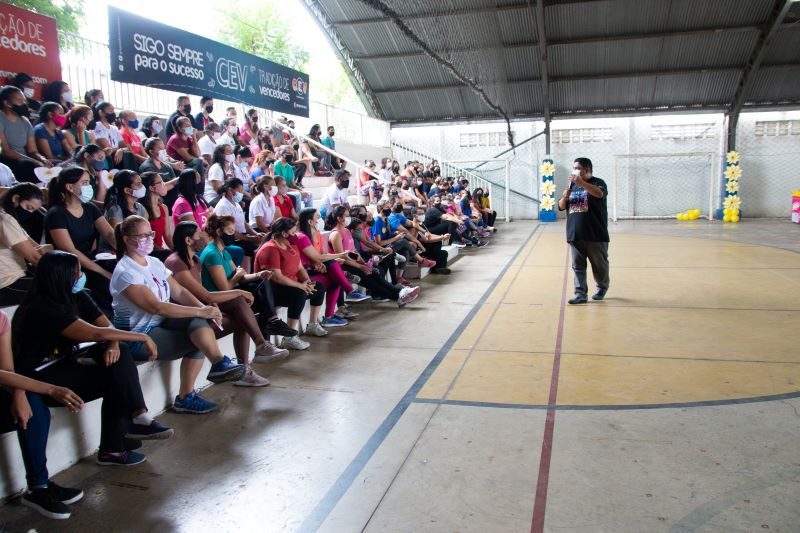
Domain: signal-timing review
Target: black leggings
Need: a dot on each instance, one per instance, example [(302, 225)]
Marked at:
[(263, 300), (385, 263), (295, 299), (434, 252), (13, 294), (249, 249), (375, 283), (117, 384)]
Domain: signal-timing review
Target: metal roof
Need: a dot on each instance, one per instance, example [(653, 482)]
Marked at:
[(602, 56)]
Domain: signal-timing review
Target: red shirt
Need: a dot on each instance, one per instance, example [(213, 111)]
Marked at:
[(175, 143), (273, 257), (159, 225), (284, 204), (133, 140)]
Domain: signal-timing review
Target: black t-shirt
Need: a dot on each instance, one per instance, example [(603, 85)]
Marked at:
[(40, 331), (81, 230), (587, 216), (433, 217), (170, 128)]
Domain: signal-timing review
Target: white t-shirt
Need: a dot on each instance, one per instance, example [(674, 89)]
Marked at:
[(225, 138), (127, 315), (215, 173), (226, 207), (262, 207), (111, 134), (206, 145), (7, 178), (333, 196), (386, 175)]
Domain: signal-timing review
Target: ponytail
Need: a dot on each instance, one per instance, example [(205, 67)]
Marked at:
[(124, 228), (120, 243)]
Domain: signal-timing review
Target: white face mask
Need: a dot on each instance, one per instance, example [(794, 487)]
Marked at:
[(320, 225), (28, 92), (156, 127), (138, 193), (230, 158), (162, 155), (67, 96), (216, 136), (273, 191), (232, 130), (347, 221), (420, 218)]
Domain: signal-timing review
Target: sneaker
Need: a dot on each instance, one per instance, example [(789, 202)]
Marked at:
[(356, 296), (481, 244), (346, 313), (65, 495), (45, 502), (125, 458), (154, 431), (600, 294), (379, 299), (443, 270), (333, 322), (399, 259), (316, 329), (194, 404), (429, 263), (251, 379), (276, 326), (352, 278), (403, 281), (578, 300), (225, 370), (267, 353), (407, 295), (294, 343)]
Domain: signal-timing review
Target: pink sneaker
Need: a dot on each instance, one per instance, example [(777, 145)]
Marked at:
[(428, 263)]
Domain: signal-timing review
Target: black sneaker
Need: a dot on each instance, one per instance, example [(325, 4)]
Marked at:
[(578, 300), (600, 294), (154, 431), (481, 244), (443, 270), (46, 503), (65, 495), (276, 326)]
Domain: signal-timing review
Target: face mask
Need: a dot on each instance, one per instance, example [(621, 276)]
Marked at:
[(228, 240), (67, 96), (331, 134), (347, 221), (133, 124), (273, 190), (98, 165), (370, 223), (232, 130), (238, 197), (187, 109), (111, 117), (362, 217), (144, 246), (345, 184), (230, 158), (162, 155), (386, 212), (156, 127), (28, 92), (216, 136), (79, 284), (254, 120), (87, 193), (420, 218), (22, 214), (209, 109), (188, 131), (289, 158), (60, 120), (21, 110), (161, 189), (320, 225), (138, 193), (419, 182)]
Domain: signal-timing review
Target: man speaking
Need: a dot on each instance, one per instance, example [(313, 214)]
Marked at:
[(587, 228)]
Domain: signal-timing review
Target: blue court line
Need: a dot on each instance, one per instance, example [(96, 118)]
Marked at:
[(331, 499), (544, 407)]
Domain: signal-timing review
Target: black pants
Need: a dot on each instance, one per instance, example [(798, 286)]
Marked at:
[(434, 252), (299, 173), (294, 299), (444, 227), (386, 264), (21, 168), (375, 283), (128, 162), (117, 384), (263, 301), (249, 249), (13, 294), (100, 286), (489, 218)]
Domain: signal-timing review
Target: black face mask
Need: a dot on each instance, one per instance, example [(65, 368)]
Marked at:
[(386, 212), (296, 147), (111, 117), (209, 108), (345, 184), (187, 109), (398, 209), (21, 110), (370, 223), (362, 217), (289, 158), (269, 162), (23, 215), (228, 240)]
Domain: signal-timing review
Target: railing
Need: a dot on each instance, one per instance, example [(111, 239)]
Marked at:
[(86, 64)]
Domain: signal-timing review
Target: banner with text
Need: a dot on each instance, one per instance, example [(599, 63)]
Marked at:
[(144, 52), (29, 44)]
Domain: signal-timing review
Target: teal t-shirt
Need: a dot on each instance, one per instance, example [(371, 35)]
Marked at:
[(211, 256), (284, 171)]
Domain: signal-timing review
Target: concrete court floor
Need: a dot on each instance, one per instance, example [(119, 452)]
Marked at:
[(651, 424)]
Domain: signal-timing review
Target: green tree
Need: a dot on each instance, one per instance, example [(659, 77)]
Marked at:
[(68, 13), (262, 30)]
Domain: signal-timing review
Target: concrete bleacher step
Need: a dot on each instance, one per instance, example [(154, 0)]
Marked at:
[(413, 271), (313, 182), (452, 253)]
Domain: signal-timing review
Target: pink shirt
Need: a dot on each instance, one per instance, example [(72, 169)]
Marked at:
[(182, 206), (347, 239), (5, 325), (301, 241)]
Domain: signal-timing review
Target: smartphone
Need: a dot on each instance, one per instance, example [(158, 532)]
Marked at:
[(218, 324), (353, 256)]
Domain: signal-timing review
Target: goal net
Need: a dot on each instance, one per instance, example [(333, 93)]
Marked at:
[(655, 186)]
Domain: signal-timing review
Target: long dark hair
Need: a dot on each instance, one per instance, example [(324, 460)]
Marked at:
[(52, 284), (187, 187), (48, 107), (79, 158), (218, 156), (23, 191), (147, 126), (303, 220), (230, 185), (279, 226), (116, 193), (184, 229), (147, 200), (57, 188), (101, 106), (52, 92), (333, 217)]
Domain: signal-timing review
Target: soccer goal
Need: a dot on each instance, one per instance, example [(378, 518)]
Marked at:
[(658, 186)]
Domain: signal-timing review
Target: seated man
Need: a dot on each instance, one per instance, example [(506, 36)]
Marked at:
[(337, 193), (182, 146), (184, 109), (206, 143)]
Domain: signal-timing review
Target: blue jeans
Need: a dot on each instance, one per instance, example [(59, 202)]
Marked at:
[(33, 440), (299, 202)]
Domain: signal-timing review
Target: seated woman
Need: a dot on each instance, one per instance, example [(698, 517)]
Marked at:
[(22, 409), (342, 242), (323, 267), (262, 208), (190, 206), (157, 212), (74, 224), (55, 317), (154, 148), (121, 201), (24, 201), (480, 202), (129, 122), (17, 249), (17, 145), (291, 284), (109, 138), (143, 290), (76, 129), (231, 196), (283, 202), (182, 147), (50, 140), (92, 159), (220, 171), (385, 235)]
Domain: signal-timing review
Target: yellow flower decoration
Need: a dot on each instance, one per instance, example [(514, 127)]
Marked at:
[(732, 186), (732, 157), (732, 202), (547, 203), (547, 169), (548, 188), (733, 172)]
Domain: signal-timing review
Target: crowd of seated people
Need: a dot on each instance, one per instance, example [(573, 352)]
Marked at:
[(152, 250)]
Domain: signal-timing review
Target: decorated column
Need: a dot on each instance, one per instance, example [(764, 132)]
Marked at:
[(547, 207), (731, 203)]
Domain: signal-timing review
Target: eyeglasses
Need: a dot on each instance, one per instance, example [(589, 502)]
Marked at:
[(143, 235)]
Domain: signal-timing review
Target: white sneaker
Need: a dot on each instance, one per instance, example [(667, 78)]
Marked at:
[(251, 379), (267, 353), (458, 245), (294, 343), (316, 329), (407, 295)]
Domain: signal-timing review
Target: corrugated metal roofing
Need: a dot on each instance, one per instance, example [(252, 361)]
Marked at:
[(604, 56)]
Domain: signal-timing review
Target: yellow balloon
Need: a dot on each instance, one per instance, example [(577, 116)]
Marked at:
[(735, 218), (726, 218), (726, 211), (679, 216), (695, 216)]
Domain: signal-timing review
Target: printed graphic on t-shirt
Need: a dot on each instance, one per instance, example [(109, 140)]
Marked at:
[(578, 201)]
